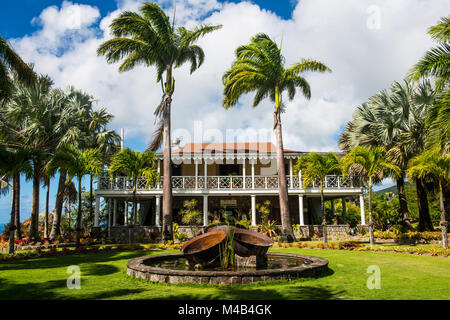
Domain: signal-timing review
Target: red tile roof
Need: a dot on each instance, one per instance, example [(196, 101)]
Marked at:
[(234, 147)]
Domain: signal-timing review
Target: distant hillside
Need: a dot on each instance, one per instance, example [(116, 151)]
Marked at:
[(392, 189)]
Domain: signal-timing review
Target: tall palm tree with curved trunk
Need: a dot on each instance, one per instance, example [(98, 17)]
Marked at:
[(150, 39), (77, 164), (371, 163), (259, 67), (10, 62), (135, 164), (315, 166), (433, 162)]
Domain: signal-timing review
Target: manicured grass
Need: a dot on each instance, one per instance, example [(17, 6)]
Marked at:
[(103, 276)]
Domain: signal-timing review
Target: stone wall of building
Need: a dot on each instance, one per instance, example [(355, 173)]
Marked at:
[(309, 231)]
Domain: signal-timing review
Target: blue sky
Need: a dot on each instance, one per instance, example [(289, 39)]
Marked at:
[(367, 43)]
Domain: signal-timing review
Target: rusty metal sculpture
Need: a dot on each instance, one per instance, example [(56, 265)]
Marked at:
[(205, 249)]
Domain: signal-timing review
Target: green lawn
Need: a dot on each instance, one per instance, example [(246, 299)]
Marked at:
[(103, 276)]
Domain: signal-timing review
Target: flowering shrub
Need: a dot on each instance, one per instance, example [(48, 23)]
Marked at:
[(408, 236)]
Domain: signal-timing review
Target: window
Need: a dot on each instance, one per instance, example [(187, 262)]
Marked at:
[(176, 170), (228, 169)]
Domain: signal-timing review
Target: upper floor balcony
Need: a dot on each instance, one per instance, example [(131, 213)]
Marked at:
[(226, 183)]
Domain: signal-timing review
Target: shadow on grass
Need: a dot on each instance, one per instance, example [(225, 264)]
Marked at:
[(64, 261), (94, 269), (49, 291), (266, 291), (285, 291)]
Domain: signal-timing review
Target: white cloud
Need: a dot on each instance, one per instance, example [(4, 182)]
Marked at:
[(363, 59)]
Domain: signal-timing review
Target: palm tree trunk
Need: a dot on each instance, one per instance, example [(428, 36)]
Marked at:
[(425, 223), (16, 186), (287, 234), (79, 215), (371, 236), (91, 208), (47, 198), (56, 226), (34, 225), (167, 180), (403, 210), (324, 218), (444, 222), (12, 226)]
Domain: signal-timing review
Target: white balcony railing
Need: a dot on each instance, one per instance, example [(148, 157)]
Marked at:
[(225, 183)]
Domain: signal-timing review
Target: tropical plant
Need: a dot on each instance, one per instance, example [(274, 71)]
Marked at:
[(396, 119), (134, 165), (12, 164), (259, 66), (78, 163), (435, 64), (436, 61), (315, 167), (433, 162), (269, 228), (372, 164), (10, 62), (150, 39), (190, 213)]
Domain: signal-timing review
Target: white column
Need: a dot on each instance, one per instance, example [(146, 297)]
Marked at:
[(243, 173), (196, 174), (158, 211), (301, 210), (115, 213), (361, 204), (290, 174), (205, 211), (300, 183), (253, 210), (97, 208), (253, 174), (125, 215)]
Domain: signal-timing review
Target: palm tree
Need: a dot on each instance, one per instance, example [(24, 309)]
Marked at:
[(395, 119), (30, 116), (107, 141), (259, 66), (12, 164), (150, 39), (433, 162), (371, 163), (436, 61), (10, 62), (134, 165), (77, 163), (315, 167), (84, 128)]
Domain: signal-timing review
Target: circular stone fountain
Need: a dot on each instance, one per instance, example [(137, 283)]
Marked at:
[(199, 261)]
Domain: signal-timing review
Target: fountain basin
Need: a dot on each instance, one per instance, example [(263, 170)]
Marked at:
[(163, 268)]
